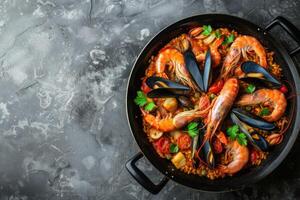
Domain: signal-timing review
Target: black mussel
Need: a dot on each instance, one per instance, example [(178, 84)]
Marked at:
[(260, 141), (253, 120), (165, 88), (207, 76), (244, 129), (209, 155), (195, 147), (206, 152), (167, 92), (194, 70), (185, 101), (255, 71), (159, 82)]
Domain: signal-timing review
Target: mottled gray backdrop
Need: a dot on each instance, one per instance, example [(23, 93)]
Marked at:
[(64, 65)]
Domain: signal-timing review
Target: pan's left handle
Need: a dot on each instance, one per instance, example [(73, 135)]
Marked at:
[(290, 28), (141, 178)]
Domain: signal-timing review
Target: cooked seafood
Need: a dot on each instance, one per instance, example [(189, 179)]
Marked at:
[(239, 48), (213, 121)]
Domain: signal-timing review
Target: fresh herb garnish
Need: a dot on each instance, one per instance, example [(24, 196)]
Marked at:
[(150, 106), (192, 129), (207, 30), (241, 138), (141, 100), (234, 134), (232, 131), (264, 112), (218, 33), (250, 89), (174, 148), (228, 39)]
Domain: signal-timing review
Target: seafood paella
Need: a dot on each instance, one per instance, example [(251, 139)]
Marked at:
[(213, 102)]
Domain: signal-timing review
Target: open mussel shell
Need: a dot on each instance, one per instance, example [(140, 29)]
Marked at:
[(206, 152), (167, 92), (207, 76), (258, 144), (165, 88), (255, 71), (209, 155), (155, 81), (194, 70), (261, 142), (253, 120)]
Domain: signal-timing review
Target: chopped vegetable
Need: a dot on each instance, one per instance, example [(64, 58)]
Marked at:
[(150, 106), (228, 39), (218, 33), (216, 87), (218, 148), (283, 89), (155, 134), (250, 89), (141, 100), (145, 88), (192, 129), (233, 133), (184, 141), (207, 30), (174, 148), (264, 112), (162, 145), (212, 96), (179, 160)]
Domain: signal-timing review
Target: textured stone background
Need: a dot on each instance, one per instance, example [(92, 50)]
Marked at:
[(64, 65)]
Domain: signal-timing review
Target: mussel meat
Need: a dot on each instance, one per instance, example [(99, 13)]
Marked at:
[(253, 120)]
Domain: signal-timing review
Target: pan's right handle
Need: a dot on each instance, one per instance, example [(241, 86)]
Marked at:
[(290, 28), (141, 178)]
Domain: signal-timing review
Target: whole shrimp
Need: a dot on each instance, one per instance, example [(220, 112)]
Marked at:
[(181, 119), (240, 47), (221, 107), (239, 157), (174, 58), (273, 97)]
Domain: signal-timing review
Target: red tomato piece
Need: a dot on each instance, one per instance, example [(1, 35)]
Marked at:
[(253, 156), (163, 145), (216, 87), (218, 148), (184, 141), (145, 88), (283, 89), (222, 137)]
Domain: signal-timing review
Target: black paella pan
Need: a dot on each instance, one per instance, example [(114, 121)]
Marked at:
[(245, 177)]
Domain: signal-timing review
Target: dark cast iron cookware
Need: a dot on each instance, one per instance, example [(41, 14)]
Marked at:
[(246, 176)]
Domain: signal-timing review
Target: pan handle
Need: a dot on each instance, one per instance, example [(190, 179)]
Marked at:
[(141, 178), (290, 28)]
